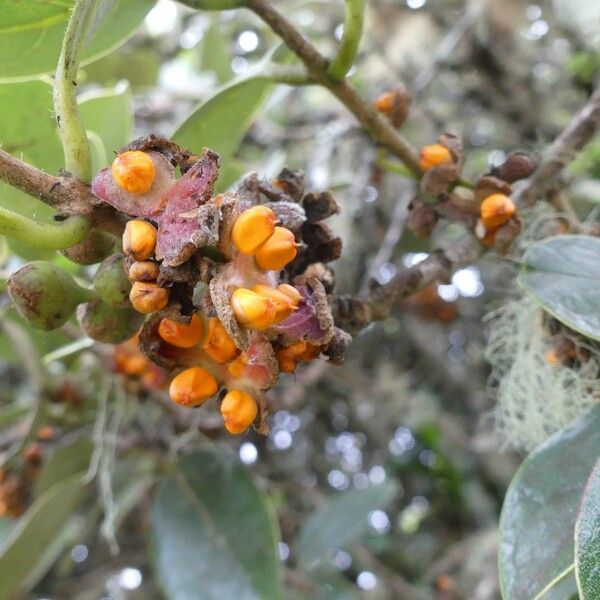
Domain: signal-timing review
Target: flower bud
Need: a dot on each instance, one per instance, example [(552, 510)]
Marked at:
[(237, 366), (218, 343), (252, 310), (284, 305), (289, 356), (279, 250), (193, 386), (395, 104), (253, 228), (111, 282), (144, 270), (44, 294), (148, 297), (496, 210), (239, 410), (134, 171), (139, 239), (518, 165), (291, 292), (434, 155), (108, 324), (182, 335)]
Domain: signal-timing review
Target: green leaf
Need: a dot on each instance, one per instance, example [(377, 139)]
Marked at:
[(587, 539), (108, 116), (221, 122), (37, 528), (563, 274), (341, 520), (214, 536), (70, 458), (31, 33), (540, 509)]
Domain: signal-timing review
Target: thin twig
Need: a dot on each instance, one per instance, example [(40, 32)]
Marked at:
[(317, 66), (561, 152)]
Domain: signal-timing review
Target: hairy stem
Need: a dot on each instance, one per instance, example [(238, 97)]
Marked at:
[(354, 20), (379, 127), (44, 236), (76, 148)]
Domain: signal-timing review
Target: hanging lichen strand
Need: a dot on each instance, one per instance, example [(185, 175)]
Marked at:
[(260, 253)]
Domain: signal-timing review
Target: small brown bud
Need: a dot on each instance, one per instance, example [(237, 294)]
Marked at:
[(517, 165), (395, 105), (421, 219)]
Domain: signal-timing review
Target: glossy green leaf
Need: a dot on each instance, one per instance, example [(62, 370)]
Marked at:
[(587, 539), (31, 33), (214, 536), (221, 122), (540, 509), (341, 520), (563, 274), (36, 529), (72, 457)]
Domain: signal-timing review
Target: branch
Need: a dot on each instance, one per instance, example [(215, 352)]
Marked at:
[(378, 126), (67, 195), (354, 20), (561, 152), (44, 236), (355, 313), (76, 148)]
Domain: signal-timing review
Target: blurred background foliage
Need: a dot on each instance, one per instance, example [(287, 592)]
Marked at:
[(380, 479)]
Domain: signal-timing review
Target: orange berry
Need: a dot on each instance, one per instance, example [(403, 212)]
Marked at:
[(284, 305), (239, 410), (182, 335), (434, 155), (252, 310), (218, 343), (279, 250), (288, 356), (193, 386), (310, 353), (496, 210), (385, 102), (253, 228), (139, 239), (148, 297), (134, 171)]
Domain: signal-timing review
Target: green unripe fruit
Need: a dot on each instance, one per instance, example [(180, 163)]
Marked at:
[(107, 324), (111, 282), (45, 295), (93, 249)]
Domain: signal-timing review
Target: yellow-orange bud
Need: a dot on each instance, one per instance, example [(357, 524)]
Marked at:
[(496, 210), (218, 343), (139, 239), (253, 310), (143, 270), (434, 155), (237, 366), (253, 228), (182, 335), (284, 305), (148, 297), (291, 292), (277, 251), (193, 386), (239, 410), (288, 356), (134, 171)]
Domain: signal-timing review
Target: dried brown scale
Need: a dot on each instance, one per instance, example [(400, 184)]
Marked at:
[(320, 206), (289, 215), (220, 301)]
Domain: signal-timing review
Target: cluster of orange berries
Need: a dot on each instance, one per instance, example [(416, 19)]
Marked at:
[(494, 211), (127, 360)]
